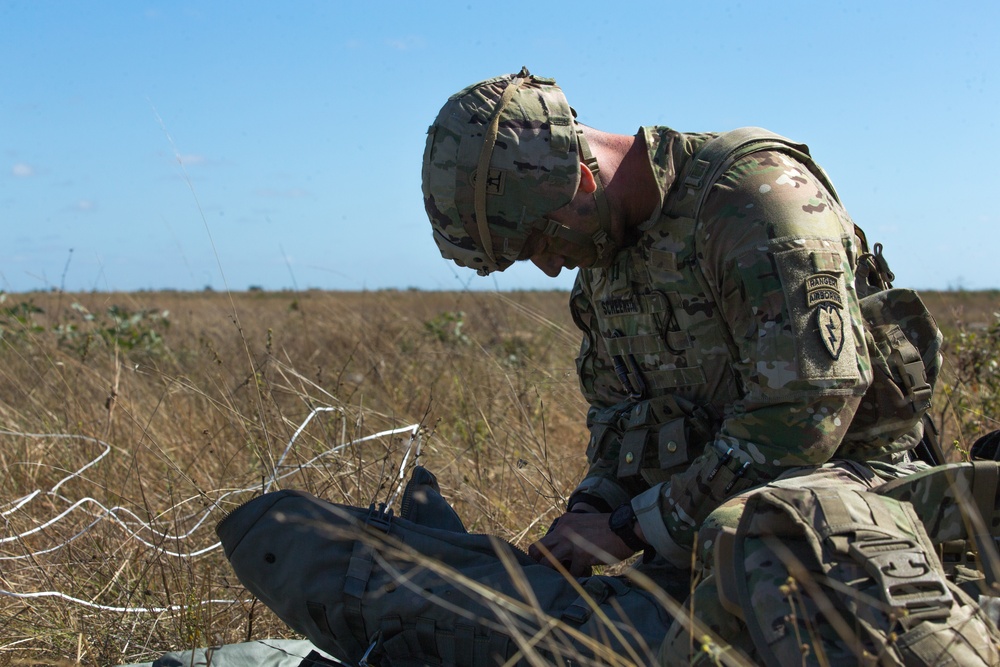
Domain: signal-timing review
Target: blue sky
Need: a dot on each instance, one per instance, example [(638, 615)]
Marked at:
[(149, 145)]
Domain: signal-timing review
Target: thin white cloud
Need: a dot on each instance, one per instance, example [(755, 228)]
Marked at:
[(291, 193), (406, 43), (22, 170), (85, 205), (191, 159)]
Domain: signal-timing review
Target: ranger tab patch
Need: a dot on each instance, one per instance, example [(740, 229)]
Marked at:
[(823, 294)]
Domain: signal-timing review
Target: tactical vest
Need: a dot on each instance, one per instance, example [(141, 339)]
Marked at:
[(673, 352)]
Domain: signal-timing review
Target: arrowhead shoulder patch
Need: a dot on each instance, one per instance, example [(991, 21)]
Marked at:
[(831, 328)]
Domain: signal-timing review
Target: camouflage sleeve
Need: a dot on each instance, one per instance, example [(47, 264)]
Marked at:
[(778, 251)]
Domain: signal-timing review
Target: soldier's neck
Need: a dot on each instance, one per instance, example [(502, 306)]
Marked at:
[(627, 177)]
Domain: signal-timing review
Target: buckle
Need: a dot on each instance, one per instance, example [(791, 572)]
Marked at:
[(379, 518), (906, 579)]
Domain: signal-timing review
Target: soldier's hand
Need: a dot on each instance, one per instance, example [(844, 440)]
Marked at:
[(579, 541)]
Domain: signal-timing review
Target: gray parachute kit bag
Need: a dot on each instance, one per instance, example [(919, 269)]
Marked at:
[(417, 589)]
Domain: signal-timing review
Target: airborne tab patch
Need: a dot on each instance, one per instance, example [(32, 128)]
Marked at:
[(823, 288)]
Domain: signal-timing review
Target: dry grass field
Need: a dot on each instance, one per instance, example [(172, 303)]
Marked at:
[(129, 424)]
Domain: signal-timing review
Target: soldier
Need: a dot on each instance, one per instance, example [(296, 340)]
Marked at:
[(723, 346), (704, 337)]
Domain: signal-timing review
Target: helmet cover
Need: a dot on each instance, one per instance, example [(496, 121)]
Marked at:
[(522, 129)]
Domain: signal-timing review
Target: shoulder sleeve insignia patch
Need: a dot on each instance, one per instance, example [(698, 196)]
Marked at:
[(823, 294), (831, 328)]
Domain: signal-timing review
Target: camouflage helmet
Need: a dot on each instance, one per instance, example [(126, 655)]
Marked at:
[(520, 130)]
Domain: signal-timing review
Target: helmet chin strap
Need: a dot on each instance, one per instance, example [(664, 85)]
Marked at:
[(601, 240)]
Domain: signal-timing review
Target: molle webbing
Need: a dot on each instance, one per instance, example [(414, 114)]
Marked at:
[(957, 502), (906, 360), (646, 343), (597, 591)]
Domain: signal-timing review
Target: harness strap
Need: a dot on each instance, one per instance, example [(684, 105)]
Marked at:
[(465, 644), (602, 237)]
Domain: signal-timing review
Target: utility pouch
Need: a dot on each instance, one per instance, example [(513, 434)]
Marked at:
[(852, 574), (904, 346), (605, 432), (650, 437), (653, 452), (656, 440)]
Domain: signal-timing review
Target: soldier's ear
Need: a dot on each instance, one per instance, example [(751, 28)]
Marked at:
[(587, 183)]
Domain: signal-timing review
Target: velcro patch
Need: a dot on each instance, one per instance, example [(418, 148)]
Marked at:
[(820, 322), (827, 262), (495, 181)]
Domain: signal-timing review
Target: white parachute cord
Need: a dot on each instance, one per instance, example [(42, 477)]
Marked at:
[(136, 525)]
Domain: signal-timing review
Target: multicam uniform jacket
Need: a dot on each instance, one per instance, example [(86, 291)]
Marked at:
[(718, 352)]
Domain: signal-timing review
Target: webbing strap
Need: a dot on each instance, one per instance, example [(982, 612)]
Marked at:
[(358, 572), (465, 643), (908, 577), (550, 227), (676, 377), (426, 638), (602, 237), (485, 155), (907, 362), (642, 344)]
